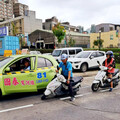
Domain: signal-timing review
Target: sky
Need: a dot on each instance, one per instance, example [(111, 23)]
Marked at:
[(77, 12)]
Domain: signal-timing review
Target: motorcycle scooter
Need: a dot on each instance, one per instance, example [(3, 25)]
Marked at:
[(59, 87), (101, 80)]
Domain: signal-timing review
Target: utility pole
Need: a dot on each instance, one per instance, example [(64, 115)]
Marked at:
[(99, 39)]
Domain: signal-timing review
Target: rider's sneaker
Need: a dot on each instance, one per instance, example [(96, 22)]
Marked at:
[(110, 90), (72, 98)]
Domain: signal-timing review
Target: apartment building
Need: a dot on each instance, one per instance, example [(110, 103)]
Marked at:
[(20, 9), (6, 9), (12, 8)]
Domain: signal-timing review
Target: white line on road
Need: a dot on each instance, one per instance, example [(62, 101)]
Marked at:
[(81, 95), (16, 108)]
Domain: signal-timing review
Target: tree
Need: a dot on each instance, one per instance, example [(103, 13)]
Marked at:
[(71, 42), (98, 43), (59, 31), (14, 29)]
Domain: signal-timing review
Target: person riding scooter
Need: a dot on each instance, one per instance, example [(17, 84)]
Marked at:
[(110, 63), (67, 73)]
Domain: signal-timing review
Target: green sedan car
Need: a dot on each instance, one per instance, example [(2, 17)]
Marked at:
[(26, 73)]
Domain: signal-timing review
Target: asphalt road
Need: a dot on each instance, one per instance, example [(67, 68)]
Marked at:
[(102, 105)]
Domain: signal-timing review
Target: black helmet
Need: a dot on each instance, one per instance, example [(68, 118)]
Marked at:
[(109, 53)]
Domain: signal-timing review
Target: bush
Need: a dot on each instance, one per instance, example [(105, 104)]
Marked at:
[(104, 49), (43, 50), (117, 57)]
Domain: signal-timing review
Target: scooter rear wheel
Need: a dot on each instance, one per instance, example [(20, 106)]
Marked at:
[(95, 87)]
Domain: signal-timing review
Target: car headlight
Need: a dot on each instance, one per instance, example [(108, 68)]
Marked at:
[(77, 62)]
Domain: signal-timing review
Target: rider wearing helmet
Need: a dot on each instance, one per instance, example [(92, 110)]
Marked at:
[(110, 63), (67, 73)]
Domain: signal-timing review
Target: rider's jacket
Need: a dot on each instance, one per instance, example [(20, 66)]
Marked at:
[(109, 65)]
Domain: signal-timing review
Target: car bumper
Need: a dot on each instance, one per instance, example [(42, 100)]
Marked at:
[(76, 66)]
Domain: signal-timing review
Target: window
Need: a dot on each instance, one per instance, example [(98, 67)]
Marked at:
[(20, 64), (102, 29), (111, 28), (111, 37), (111, 46), (71, 52), (78, 50), (94, 54), (48, 63), (41, 62), (99, 54), (64, 52)]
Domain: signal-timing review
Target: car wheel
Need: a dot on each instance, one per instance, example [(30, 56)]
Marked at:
[(84, 67), (95, 87)]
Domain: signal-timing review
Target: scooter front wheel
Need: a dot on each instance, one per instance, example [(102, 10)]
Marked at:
[(95, 87), (43, 97)]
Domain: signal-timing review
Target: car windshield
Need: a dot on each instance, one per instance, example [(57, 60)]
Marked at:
[(83, 55), (56, 53), (5, 61)]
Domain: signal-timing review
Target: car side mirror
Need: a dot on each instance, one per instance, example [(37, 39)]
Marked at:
[(7, 69), (91, 57)]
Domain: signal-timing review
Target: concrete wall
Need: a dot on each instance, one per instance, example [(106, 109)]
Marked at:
[(105, 26), (31, 23)]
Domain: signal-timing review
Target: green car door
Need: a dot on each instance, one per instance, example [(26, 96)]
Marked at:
[(45, 72), (17, 79)]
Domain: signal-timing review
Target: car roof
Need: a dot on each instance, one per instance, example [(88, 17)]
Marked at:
[(30, 55), (93, 51), (69, 48)]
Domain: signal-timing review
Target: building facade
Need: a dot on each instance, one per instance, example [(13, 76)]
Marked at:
[(23, 24), (47, 36), (110, 39), (49, 23)]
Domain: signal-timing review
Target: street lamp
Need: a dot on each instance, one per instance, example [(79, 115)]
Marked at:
[(99, 38)]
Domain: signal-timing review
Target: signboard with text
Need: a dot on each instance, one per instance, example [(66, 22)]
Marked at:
[(3, 31)]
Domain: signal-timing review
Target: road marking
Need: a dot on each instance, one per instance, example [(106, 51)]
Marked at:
[(76, 96), (16, 108), (86, 87)]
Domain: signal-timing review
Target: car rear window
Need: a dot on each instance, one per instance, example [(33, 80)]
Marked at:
[(78, 50), (99, 54), (43, 62)]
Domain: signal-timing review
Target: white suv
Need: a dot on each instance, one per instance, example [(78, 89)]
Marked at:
[(71, 52), (87, 59)]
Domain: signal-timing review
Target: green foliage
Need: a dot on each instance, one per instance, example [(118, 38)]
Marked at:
[(98, 43), (59, 32), (105, 49), (71, 42), (14, 29), (43, 50)]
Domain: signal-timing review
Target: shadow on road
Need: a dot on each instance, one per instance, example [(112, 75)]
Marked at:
[(89, 70), (20, 95)]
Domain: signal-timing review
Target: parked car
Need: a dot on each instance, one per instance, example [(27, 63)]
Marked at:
[(71, 52), (87, 59), (34, 52), (15, 79)]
